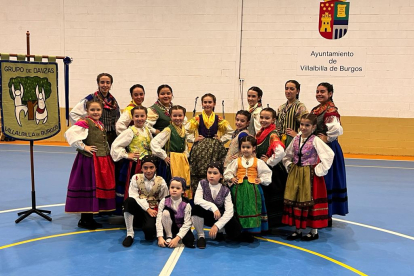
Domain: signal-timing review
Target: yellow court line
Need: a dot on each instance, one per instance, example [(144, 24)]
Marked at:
[(58, 235), (379, 167), (316, 254)]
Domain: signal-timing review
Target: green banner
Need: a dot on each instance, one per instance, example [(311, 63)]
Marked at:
[(29, 99)]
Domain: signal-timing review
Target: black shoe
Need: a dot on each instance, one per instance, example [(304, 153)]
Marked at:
[(329, 222), (247, 237), (189, 245), (220, 237), (96, 224), (310, 237), (294, 236), (87, 224), (128, 241), (201, 243)]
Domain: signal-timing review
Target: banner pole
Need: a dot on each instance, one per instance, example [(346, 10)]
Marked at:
[(25, 214)]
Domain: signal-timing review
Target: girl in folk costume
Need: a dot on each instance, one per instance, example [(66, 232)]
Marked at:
[(91, 186), (246, 173), (242, 123), (137, 92), (289, 113), (145, 192), (202, 130), (174, 217), (174, 156), (271, 150), (136, 139), (110, 112), (254, 98), (307, 159), (328, 129), (213, 207)]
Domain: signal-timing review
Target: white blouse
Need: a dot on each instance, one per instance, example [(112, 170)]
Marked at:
[(174, 205), (79, 111), (325, 154), (75, 136), (334, 128), (210, 206), (118, 150), (277, 156), (263, 171)]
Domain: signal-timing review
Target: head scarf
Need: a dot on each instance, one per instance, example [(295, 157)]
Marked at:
[(179, 179), (218, 165), (149, 158)]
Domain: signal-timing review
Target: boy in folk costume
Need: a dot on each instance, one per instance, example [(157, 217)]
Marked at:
[(213, 207), (145, 192)]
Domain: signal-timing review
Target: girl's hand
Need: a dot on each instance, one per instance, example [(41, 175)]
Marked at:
[(323, 137), (234, 180), (161, 242), (199, 138), (264, 158), (216, 137), (213, 232), (217, 215), (91, 149), (235, 156), (157, 131), (174, 242), (133, 156), (167, 160), (257, 181), (291, 132), (151, 212)]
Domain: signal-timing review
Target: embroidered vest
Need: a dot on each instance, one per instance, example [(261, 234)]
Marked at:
[(250, 172), (220, 197), (140, 143), (264, 146), (152, 196), (207, 132), (309, 154), (320, 122), (179, 213), (176, 143), (96, 137), (163, 120)]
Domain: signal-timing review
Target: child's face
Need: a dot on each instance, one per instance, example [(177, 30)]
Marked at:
[(176, 189), (139, 118), (177, 116), (148, 169), (247, 149), (252, 97), (306, 127), (322, 94), (266, 119), (208, 104), (241, 121), (165, 96), (95, 111), (213, 176), (138, 95), (104, 84), (291, 91)]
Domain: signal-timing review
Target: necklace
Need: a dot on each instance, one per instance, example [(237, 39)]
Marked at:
[(247, 161)]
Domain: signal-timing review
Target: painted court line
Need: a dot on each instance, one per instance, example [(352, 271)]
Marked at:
[(26, 208), (376, 228), (58, 235), (380, 167), (40, 151), (316, 254), (172, 261)]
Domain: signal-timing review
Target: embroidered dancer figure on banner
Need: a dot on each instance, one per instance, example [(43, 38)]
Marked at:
[(41, 111), (18, 105)]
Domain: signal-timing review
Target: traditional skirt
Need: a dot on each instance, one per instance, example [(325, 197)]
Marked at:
[(128, 169), (336, 183), (306, 203), (180, 167), (202, 154), (250, 207), (274, 195), (91, 186)]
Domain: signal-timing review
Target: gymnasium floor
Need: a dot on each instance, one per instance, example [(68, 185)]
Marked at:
[(376, 238)]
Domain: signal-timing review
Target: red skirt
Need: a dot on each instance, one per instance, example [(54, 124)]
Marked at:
[(315, 216)]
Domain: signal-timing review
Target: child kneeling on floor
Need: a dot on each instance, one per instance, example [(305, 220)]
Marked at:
[(174, 217), (213, 207), (145, 192)]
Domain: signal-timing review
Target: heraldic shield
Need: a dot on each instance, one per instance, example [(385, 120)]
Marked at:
[(333, 18)]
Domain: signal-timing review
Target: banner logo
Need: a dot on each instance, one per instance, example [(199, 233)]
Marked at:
[(333, 18), (29, 99)]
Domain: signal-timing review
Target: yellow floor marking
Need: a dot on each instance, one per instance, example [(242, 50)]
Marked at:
[(314, 253)]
